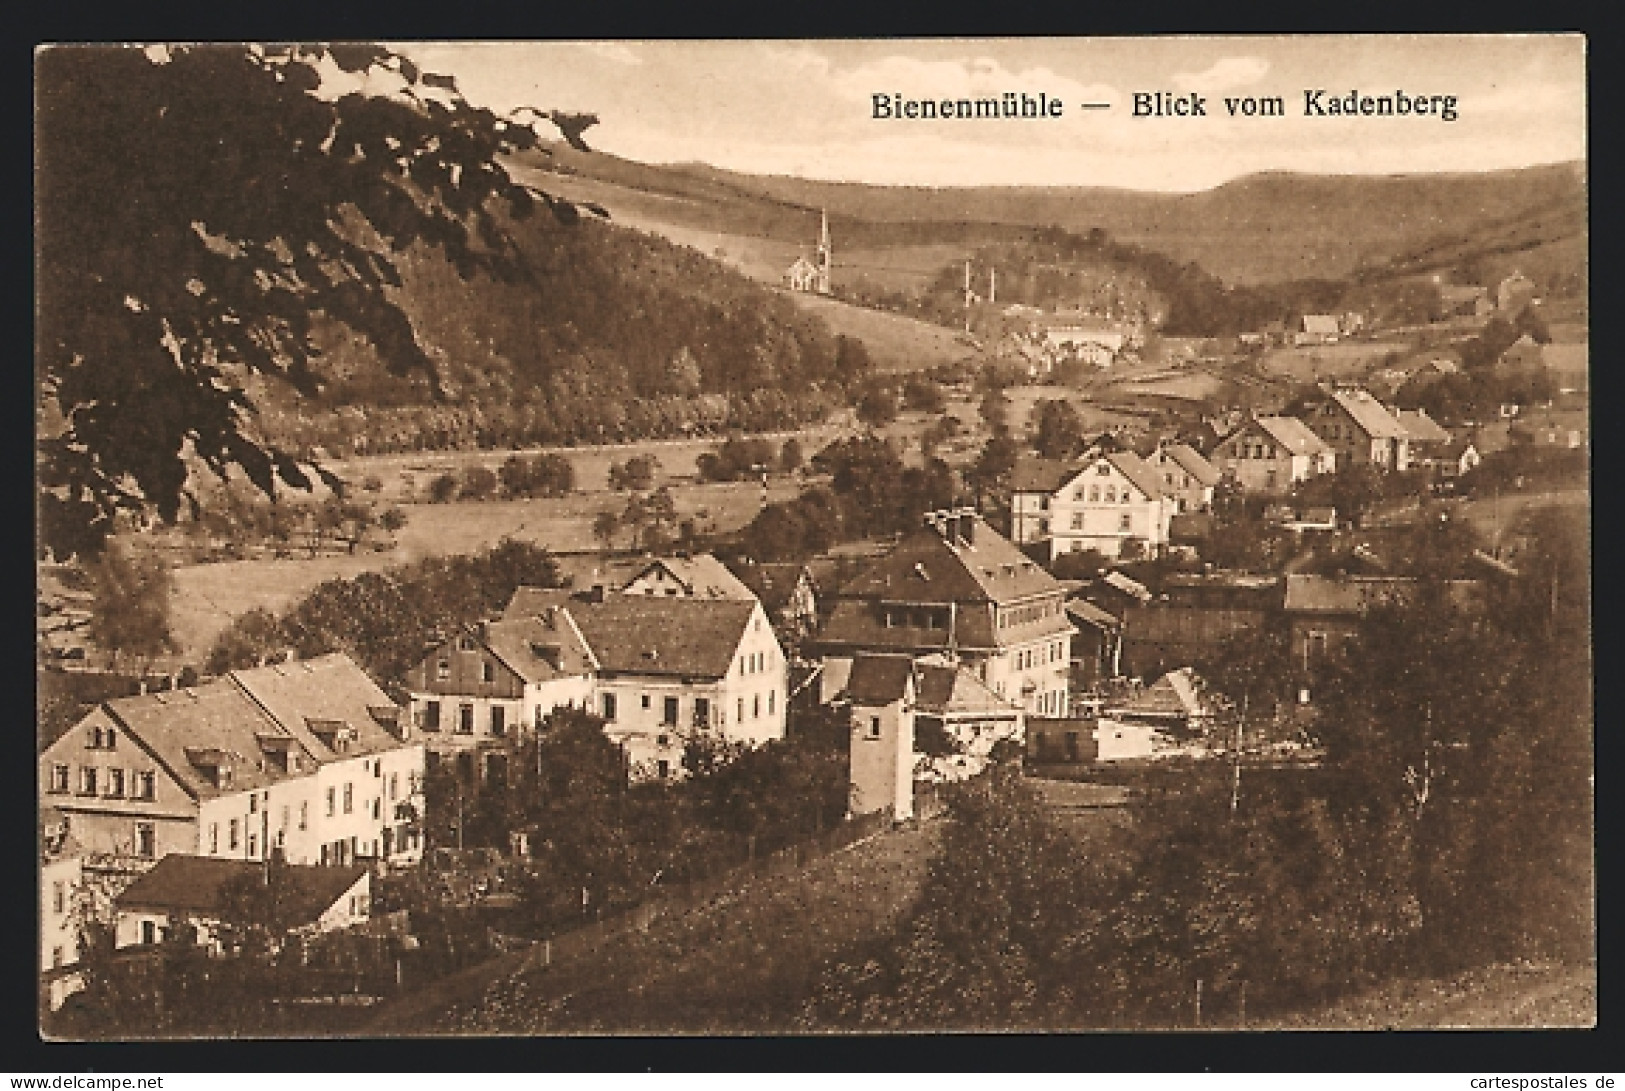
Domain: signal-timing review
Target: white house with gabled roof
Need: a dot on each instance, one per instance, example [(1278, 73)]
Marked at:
[(1112, 498)]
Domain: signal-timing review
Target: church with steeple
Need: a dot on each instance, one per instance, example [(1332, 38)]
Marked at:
[(812, 276)]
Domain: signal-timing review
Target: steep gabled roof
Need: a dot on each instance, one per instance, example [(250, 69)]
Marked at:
[(536, 601), (925, 567), (654, 634), (1369, 415), (772, 582), (194, 884), (1085, 612), (1291, 433), (879, 679), (1172, 695), (328, 688), (540, 648), (702, 576), (1421, 427), (1140, 475), (1045, 475), (946, 689), (1191, 461), (215, 716)]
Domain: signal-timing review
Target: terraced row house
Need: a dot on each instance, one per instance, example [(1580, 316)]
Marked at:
[(658, 667), (307, 759)]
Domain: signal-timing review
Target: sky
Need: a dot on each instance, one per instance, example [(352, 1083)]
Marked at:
[(805, 107)]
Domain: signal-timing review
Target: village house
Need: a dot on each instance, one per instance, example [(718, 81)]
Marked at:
[(1033, 482), (1187, 478), (1154, 720), (1317, 329), (957, 587), (1325, 613), (1268, 455), (701, 576), (476, 694), (1112, 499), (186, 890), (1193, 618), (668, 668), (1097, 647), (306, 759), (890, 697), (1360, 430), (1514, 293), (1095, 344), (787, 591), (61, 866), (1466, 300)]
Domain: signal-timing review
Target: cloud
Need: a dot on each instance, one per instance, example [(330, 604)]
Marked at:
[(612, 51), (1223, 75)]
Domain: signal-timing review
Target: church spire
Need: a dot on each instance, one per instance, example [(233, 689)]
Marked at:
[(825, 255)]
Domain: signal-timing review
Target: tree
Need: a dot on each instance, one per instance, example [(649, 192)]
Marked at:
[(1060, 430), (130, 609), (515, 475), (393, 519), (442, 489), (636, 474), (188, 239), (479, 483), (991, 471), (791, 457), (922, 394), (553, 475), (877, 405), (995, 409), (247, 641), (604, 526)]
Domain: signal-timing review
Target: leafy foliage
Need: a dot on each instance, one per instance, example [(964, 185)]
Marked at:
[(186, 241), (130, 610)]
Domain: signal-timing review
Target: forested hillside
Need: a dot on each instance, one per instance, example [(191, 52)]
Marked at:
[(609, 335)]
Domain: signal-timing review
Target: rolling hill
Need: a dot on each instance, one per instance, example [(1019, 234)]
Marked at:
[(1255, 229)]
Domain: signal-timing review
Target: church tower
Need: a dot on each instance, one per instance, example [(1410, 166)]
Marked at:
[(825, 254)]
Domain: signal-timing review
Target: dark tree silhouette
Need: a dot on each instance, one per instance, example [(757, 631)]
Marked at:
[(198, 206)]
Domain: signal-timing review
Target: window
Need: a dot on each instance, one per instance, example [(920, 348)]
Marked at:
[(377, 807), (431, 716), (304, 814), (741, 710), (253, 844), (488, 672), (149, 932), (499, 720), (115, 783), (664, 768), (442, 670), (146, 785), (59, 897), (662, 740), (284, 816), (1094, 494), (59, 778), (1125, 522), (668, 711), (465, 719), (253, 803), (1103, 469), (770, 695), (214, 838), (87, 780), (231, 834), (702, 712), (465, 643), (646, 700), (394, 785), (56, 958), (609, 706), (1077, 520), (756, 706), (332, 802), (349, 798), (874, 727)]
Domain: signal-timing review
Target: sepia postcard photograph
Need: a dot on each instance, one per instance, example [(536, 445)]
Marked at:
[(812, 537)]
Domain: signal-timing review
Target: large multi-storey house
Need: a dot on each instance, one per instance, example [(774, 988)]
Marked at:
[(958, 588), (1268, 455), (664, 669), (1360, 430), (306, 759), (493, 682), (698, 577), (1113, 498)]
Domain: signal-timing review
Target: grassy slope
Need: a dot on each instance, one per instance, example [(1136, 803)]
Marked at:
[(1522, 995), (740, 964)]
